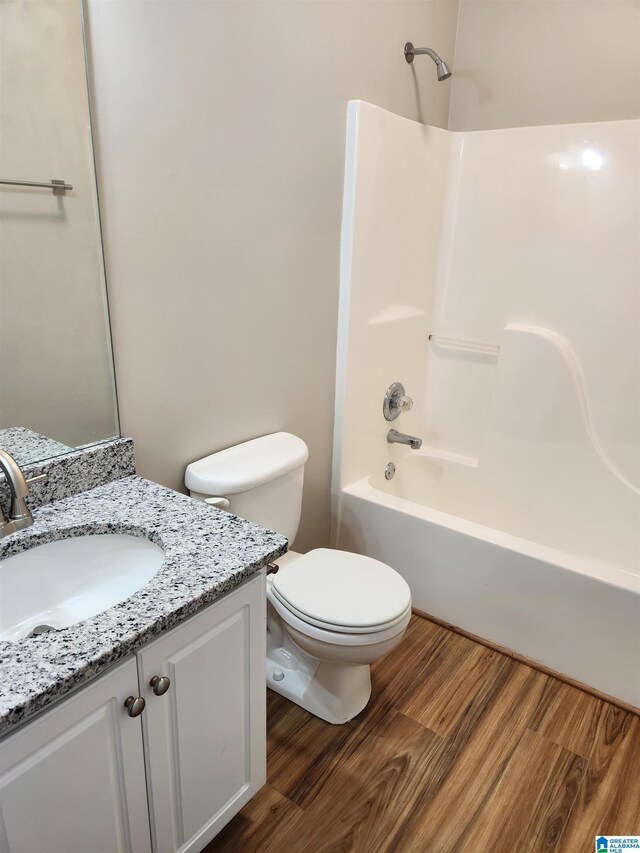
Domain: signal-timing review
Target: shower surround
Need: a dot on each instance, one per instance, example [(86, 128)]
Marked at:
[(518, 250)]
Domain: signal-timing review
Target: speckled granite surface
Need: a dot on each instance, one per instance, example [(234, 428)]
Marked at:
[(75, 472), (207, 553), (27, 446)]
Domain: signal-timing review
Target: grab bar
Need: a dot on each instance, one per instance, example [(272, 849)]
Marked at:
[(457, 343), (58, 187)]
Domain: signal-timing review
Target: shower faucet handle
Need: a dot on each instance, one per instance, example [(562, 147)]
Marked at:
[(396, 401), (404, 403)]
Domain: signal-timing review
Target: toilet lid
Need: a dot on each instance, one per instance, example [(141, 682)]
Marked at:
[(337, 588)]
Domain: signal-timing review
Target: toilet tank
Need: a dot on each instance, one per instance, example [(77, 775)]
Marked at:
[(261, 478)]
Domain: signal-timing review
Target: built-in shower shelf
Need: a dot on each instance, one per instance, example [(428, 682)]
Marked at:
[(449, 456), (459, 343), (395, 312)]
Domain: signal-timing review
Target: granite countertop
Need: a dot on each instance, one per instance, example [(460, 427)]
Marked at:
[(207, 553), (27, 446)]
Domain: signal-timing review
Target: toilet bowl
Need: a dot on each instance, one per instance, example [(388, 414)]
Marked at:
[(330, 613)]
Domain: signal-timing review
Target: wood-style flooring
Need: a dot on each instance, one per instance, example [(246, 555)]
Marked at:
[(461, 748)]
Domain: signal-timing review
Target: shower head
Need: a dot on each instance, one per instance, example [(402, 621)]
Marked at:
[(443, 70)]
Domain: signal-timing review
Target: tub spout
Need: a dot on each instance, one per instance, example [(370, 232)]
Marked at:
[(395, 437)]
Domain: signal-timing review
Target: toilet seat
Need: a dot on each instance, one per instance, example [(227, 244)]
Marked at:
[(329, 626), (334, 636), (340, 592)]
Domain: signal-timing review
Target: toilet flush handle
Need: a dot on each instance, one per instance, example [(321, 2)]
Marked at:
[(218, 503)]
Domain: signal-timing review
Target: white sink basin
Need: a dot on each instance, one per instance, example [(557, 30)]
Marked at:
[(64, 582)]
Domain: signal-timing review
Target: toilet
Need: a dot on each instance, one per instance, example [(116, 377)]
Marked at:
[(330, 614)]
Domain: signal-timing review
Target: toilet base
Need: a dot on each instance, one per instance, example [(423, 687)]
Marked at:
[(334, 692), (325, 676)]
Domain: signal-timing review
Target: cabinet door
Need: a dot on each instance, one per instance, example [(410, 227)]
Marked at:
[(72, 781), (205, 737)]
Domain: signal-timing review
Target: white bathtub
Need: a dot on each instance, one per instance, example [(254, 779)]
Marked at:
[(578, 616), (493, 297)]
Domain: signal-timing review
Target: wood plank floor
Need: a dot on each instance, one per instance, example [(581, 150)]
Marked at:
[(461, 748)]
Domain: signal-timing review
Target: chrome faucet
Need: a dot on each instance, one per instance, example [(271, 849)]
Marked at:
[(395, 437), (19, 513)]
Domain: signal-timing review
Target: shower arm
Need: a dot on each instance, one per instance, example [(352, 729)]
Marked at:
[(444, 72), (421, 51)]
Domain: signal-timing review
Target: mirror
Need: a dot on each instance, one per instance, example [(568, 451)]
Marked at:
[(57, 384)]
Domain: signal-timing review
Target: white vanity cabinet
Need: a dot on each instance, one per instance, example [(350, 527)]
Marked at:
[(74, 781), (205, 738)]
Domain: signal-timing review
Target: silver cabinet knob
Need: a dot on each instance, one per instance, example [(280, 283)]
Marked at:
[(160, 684), (134, 705)]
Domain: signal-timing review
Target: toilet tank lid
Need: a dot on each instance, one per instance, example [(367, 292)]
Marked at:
[(248, 465)]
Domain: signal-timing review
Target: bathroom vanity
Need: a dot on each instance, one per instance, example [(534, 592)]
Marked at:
[(143, 727), (74, 779)]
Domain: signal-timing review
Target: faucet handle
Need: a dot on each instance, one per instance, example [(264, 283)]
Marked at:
[(37, 479), (403, 403), (395, 401)]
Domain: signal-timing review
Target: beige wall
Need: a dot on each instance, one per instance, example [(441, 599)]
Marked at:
[(220, 140), (532, 62)]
